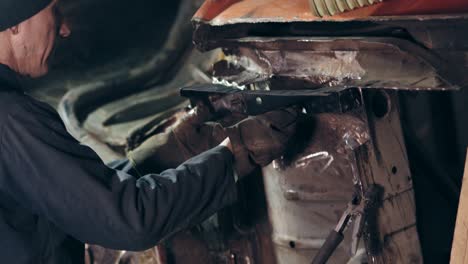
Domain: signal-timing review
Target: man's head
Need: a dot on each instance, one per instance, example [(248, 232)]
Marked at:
[(28, 45)]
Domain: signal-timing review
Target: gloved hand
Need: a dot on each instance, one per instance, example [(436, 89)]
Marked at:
[(188, 137), (258, 140), (255, 141)]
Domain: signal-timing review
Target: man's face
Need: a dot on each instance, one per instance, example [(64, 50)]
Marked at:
[(33, 40)]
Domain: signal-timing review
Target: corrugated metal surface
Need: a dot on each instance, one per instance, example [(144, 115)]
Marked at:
[(221, 12)]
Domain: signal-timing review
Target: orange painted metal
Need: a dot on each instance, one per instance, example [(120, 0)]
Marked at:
[(220, 12)]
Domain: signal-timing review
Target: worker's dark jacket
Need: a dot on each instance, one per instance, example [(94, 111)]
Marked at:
[(56, 194)]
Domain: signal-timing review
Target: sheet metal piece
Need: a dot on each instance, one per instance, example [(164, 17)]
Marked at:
[(442, 37), (387, 63), (224, 99)]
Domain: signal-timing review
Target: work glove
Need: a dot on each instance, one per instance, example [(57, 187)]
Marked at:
[(256, 141), (190, 136)]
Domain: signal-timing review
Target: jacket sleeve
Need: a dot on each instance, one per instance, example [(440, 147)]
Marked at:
[(52, 175)]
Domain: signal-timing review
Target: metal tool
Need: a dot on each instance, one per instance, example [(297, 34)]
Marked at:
[(362, 210), (224, 99)]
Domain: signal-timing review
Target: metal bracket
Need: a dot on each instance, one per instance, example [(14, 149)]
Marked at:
[(224, 99)]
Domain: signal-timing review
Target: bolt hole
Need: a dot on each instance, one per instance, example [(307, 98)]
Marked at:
[(380, 104), (259, 100), (292, 244), (394, 170)]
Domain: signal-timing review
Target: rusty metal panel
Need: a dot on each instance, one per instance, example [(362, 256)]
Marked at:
[(347, 151), (307, 197), (385, 162), (387, 63)]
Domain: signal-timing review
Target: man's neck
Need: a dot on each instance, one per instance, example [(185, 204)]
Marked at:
[(6, 52)]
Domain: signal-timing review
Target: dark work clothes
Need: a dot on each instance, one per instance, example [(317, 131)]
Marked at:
[(56, 194)]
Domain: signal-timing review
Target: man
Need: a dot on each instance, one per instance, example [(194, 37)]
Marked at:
[(56, 194)]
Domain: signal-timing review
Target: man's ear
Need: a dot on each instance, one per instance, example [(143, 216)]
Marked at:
[(14, 30)]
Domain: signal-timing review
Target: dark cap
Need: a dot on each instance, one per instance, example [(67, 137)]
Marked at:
[(13, 12)]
